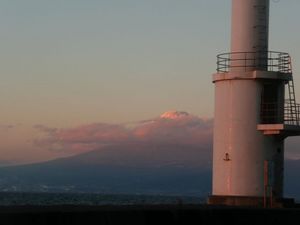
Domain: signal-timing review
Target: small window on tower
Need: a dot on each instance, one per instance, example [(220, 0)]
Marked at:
[(269, 103)]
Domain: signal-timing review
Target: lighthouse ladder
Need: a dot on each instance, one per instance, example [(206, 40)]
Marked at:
[(292, 105)]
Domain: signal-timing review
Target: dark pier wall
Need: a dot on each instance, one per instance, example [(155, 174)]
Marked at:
[(140, 215)]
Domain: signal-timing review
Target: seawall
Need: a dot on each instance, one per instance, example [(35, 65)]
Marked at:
[(146, 214)]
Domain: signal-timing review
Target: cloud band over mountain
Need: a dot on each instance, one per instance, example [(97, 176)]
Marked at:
[(170, 128)]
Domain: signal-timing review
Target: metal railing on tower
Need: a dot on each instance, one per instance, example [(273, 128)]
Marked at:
[(245, 61)]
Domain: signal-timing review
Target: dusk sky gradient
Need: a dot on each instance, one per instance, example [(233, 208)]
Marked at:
[(72, 63)]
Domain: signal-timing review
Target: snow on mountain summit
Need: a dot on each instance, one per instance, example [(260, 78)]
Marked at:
[(174, 115)]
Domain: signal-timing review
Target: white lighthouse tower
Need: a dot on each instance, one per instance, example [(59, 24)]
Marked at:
[(255, 110)]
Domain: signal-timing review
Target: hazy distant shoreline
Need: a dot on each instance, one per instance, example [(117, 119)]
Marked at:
[(27, 198)]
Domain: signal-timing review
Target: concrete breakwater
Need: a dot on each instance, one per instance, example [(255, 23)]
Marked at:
[(146, 214)]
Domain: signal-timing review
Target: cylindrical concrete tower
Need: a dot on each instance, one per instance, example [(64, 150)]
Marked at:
[(250, 121), (249, 33)]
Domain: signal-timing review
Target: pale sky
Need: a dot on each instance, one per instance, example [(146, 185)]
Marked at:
[(66, 63)]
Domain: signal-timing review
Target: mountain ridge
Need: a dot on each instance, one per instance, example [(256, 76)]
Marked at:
[(129, 169)]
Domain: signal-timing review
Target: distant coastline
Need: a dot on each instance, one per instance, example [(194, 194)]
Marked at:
[(92, 199)]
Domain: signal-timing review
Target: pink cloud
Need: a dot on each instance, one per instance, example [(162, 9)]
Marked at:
[(97, 132), (6, 127), (176, 128), (170, 128)]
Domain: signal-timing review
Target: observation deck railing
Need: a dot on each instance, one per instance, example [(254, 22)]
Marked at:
[(270, 113), (268, 61), (291, 113)]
